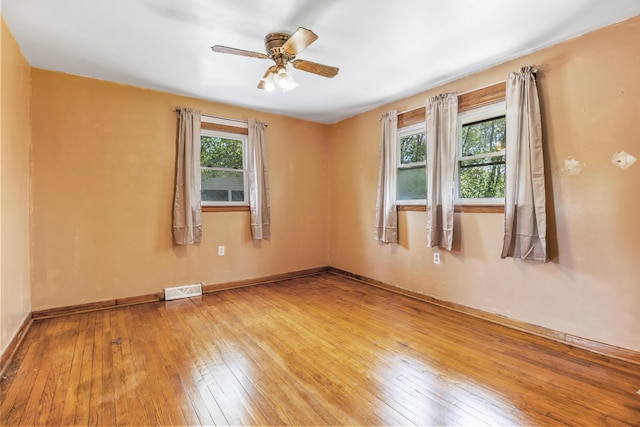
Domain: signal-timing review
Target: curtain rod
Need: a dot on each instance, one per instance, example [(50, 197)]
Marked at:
[(217, 117), (245, 122), (534, 70), (221, 118), (458, 94)]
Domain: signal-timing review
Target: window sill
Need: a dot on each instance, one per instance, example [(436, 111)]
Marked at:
[(479, 208), (457, 208), (228, 208)]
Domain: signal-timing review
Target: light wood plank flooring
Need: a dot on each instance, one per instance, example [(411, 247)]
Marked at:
[(320, 350)]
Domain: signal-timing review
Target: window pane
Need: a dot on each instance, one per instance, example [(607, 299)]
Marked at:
[(412, 184), (237, 195), (482, 178), (222, 186), (218, 152), (485, 136), (215, 195), (412, 148)]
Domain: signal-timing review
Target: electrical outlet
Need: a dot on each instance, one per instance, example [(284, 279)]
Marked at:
[(220, 250), (436, 257)]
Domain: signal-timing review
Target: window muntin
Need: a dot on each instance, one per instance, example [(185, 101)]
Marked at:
[(480, 165), (411, 184), (222, 168)]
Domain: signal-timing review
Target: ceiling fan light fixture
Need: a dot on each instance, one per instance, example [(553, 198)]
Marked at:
[(284, 79), (269, 83)]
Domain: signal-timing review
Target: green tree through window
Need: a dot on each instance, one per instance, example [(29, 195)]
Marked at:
[(218, 152), (222, 168), (481, 165)]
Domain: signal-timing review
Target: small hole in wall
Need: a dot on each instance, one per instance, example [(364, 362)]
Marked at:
[(572, 167)]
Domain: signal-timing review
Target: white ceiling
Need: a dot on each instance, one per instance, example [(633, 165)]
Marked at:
[(386, 50)]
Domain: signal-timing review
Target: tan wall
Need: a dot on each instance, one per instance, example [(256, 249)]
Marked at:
[(15, 303), (590, 94), (102, 177)]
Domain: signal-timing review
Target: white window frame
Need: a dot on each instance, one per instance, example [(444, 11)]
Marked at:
[(244, 139), (475, 115), (404, 132)]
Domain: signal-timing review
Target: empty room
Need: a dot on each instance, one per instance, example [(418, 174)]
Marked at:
[(319, 212)]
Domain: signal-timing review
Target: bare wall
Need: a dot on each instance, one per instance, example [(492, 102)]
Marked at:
[(589, 92), (15, 297), (103, 170)]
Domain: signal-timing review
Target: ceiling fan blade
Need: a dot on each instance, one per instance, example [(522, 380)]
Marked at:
[(299, 41), (241, 52), (315, 68)]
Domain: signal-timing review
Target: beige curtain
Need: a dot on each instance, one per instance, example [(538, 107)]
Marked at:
[(525, 224), (187, 212), (386, 229), (442, 138), (258, 176)]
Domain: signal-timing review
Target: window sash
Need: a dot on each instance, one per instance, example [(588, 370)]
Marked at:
[(483, 155), (213, 168), (243, 171), (405, 132), (470, 117)]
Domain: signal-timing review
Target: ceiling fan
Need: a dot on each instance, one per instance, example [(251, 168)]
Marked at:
[(282, 48)]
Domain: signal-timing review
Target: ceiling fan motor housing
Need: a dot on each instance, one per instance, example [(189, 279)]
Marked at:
[(273, 42)]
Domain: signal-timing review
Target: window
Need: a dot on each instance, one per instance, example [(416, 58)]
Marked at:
[(222, 168), (412, 176), (481, 155)]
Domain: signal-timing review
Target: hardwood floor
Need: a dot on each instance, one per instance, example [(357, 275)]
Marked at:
[(319, 350)]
